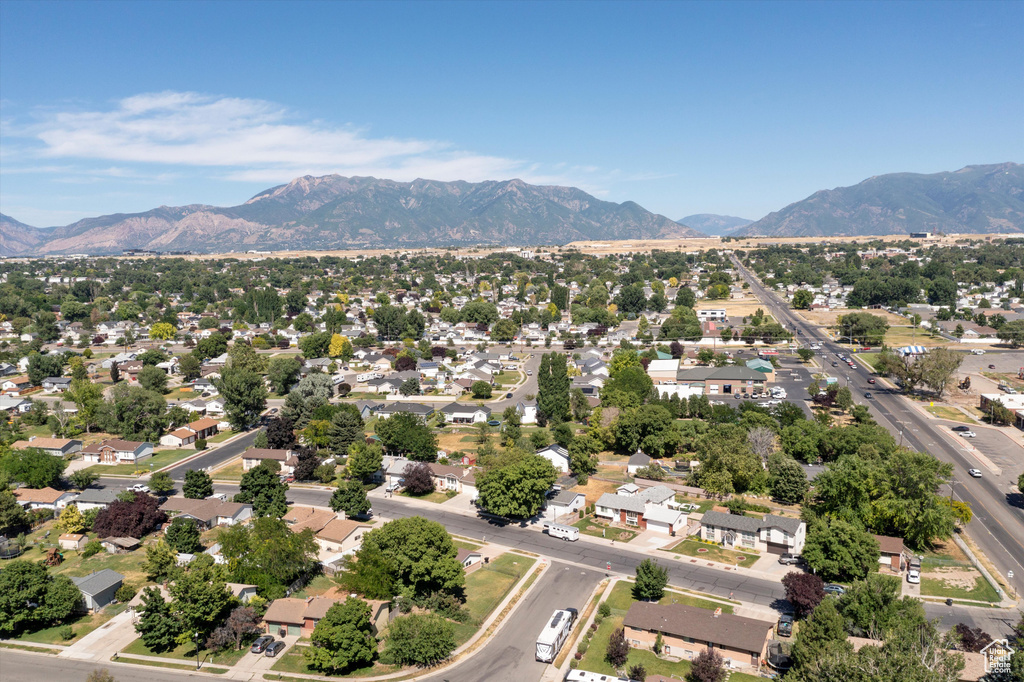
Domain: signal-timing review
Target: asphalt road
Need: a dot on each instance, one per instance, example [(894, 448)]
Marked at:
[(215, 457), (511, 655), (998, 525), (17, 666)]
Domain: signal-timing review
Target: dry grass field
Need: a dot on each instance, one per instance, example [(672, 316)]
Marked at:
[(828, 318)]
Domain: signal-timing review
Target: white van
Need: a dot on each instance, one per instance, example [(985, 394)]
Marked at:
[(567, 533)]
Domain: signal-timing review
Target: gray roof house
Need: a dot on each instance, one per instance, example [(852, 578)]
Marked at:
[(464, 413), (420, 410), (95, 498), (644, 509), (98, 588), (565, 502), (638, 460), (772, 534)]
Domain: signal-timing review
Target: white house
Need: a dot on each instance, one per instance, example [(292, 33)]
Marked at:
[(565, 502), (643, 509), (116, 451), (465, 413), (58, 447), (43, 498), (557, 455), (527, 410)]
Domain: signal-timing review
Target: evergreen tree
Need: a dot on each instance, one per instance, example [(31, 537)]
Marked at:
[(553, 388), (157, 625), (198, 485)]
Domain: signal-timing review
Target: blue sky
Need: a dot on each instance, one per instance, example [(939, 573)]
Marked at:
[(688, 107)]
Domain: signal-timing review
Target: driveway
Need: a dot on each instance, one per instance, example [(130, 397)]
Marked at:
[(510, 656)]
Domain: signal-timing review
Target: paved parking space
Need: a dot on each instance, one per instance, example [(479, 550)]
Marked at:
[(1004, 362)]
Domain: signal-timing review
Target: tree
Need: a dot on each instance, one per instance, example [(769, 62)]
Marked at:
[(708, 666), (553, 388), (280, 433), (504, 331), (823, 632), (804, 591), (419, 639), (268, 554), (33, 467), (364, 459), (518, 489), (350, 497), (161, 561), (157, 625), (873, 607), (135, 413), (42, 366), (421, 555), (838, 550), (618, 649), (71, 520), (13, 516), (405, 434), (244, 394), (650, 428), (480, 390), (200, 597), (101, 675), (1013, 333), (787, 480), (131, 519), (264, 490), (511, 430), (863, 328), (283, 372), (802, 299), (375, 577), (162, 331), (26, 582), (343, 638), (579, 405), (243, 623), (411, 386), (83, 478), (161, 483), (939, 367), (339, 347), (183, 535), (153, 379), (651, 580), (198, 485), (418, 479)]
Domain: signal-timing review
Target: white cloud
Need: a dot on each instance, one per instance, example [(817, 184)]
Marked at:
[(252, 140)]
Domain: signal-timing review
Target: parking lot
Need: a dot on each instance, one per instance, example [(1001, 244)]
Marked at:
[(996, 446)]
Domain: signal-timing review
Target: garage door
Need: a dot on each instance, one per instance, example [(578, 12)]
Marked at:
[(295, 630), (777, 549), (658, 526)]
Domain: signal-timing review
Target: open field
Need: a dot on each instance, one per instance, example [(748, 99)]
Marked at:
[(829, 318), (735, 308), (950, 413)]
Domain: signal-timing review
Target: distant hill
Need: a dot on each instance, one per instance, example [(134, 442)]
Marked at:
[(713, 224), (334, 212), (973, 199)]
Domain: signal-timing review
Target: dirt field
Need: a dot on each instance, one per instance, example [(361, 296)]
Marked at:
[(828, 318), (595, 488)]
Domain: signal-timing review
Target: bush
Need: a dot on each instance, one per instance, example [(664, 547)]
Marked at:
[(201, 444), (604, 610), (91, 549), (66, 632), (582, 648), (573, 664), (125, 593)]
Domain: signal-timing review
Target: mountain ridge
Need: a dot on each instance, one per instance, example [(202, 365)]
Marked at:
[(975, 199), (714, 224), (333, 211)]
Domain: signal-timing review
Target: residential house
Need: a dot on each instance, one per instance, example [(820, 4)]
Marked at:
[(688, 630), (772, 534), (98, 589), (15, 386), (14, 405), (565, 502), (890, 552), (527, 410), (43, 498), (75, 541), (58, 447), (647, 509), (208, 513), (465, 413), (339, 538), (95, 498), (420, 410), (457, 479), (638, 460), (256, 456), (56, 384), (116, 451), (298, 617), (242, 592), (302, 517), (557, 455), (178, 438)]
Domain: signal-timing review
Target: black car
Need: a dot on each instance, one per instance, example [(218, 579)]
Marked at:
[(261, 644), (868, 396), (574, 613), (785, 626), (508, 396), (961, 428), (274, 649)]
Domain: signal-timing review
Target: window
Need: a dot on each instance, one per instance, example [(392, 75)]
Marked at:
[(631, 518)]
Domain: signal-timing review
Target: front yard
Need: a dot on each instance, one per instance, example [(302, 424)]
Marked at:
[(599, 529), (186, 652), (81, 626), (703, 550), (232, 471), (958, 585), (950, 413), (158, 461), (437, 497)]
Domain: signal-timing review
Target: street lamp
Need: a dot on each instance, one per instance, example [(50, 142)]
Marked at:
[(197, 649)]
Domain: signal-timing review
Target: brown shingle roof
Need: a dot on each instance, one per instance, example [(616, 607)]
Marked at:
[(265, 453), (338, 530), (291, 611), (38, 495), (206, 511), (735, 632), (301, 518), (48, 443), (117, 444), (204, 423), (889, 545)]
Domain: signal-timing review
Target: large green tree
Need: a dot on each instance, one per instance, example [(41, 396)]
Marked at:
[(244, 394), (419, 639), (350, 497), (33, 467), (198, 485), (31, 597), (421, 555), (343, 638), (517, 489), (364, 459), (838, 550), (267, 554), (264, 490), (553, 388), (200, 598), (157, 624), (406, 434)]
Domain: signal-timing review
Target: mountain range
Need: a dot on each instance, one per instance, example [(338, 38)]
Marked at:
[(335, 212), (713, 224), (974, 199)]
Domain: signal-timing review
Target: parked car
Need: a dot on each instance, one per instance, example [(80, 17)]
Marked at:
[(961, 428), (789, 559), (261, 644), (835, 590), (991, 366), (835, 364), (978, 351), (975, 473), (871, 381), (968, 434), (785, 626), (274, 649), (913, 576)]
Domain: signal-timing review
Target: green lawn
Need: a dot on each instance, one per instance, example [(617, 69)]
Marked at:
[(868, 359), (223, 436), (621, 597), (950, 413), (937, 587), (292, 661), (128, 565), (702, 504), (713, 553), (81, 626), (229, 472), (463, 544), (437, 497), (188, 651), (158, 461), (488, 585), (597, 529), (317, 586)]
